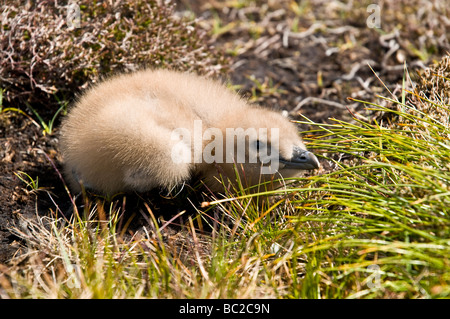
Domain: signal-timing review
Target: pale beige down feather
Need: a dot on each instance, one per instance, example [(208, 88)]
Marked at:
[(126, 134)]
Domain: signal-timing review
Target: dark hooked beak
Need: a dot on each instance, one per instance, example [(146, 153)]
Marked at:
[(301, 159)]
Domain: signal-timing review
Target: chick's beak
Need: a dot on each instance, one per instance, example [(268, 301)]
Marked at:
[(301, 159)]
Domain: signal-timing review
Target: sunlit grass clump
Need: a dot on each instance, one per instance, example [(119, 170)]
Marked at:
[(374, 226), (384, 212)]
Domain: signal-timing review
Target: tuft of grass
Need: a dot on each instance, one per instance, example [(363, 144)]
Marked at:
[(31, 183), (382, 218), (48, 127), (261, 89)]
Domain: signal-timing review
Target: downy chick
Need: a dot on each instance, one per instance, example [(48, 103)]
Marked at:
[(158, 128)]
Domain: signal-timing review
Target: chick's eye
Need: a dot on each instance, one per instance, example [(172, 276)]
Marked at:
[(259, 145)]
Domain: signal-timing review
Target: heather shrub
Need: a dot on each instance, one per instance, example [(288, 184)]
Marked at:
[(47, 50)]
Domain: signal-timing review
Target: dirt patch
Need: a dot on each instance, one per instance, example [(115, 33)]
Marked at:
[(20, 143)]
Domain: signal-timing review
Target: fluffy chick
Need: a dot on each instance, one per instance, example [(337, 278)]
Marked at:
[(158, 128)]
